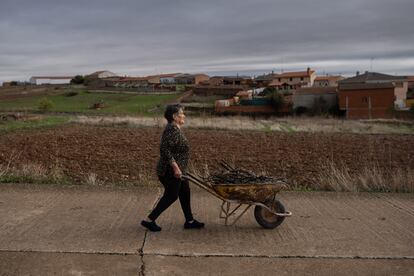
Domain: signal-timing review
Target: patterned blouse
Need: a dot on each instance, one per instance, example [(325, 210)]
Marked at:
[(174, 147)]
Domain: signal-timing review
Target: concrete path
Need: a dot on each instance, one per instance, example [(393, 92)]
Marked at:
[(95, 231)]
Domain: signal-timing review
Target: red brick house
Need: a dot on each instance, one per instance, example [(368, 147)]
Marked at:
[(367, 101), (370, 95)]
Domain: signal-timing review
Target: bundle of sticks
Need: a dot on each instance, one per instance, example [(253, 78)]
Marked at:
[(232, 175)]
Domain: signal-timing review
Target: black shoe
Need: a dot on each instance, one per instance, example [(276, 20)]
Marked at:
[(152, 226), (193, 225)]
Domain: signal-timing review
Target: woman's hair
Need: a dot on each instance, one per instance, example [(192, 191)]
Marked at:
[(171, 110)]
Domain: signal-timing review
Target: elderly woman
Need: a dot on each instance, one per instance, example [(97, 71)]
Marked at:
[(173, 162)]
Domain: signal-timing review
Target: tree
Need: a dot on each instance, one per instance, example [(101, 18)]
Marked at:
[(78, 79), (277, 100), (268, 91)]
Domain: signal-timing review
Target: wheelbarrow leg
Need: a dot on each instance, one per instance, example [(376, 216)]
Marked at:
[(241, 214), (227, 212), (224, 212)]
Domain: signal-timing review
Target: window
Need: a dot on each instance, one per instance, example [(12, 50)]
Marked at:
[(290, 79), (301, 78), (365, 99)]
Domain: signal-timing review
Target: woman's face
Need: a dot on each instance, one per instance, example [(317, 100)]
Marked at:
[(179, 117)]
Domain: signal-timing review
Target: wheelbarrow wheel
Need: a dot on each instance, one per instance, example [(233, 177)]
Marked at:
[(266, 218)]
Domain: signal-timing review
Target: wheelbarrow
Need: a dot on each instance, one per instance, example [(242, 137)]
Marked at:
[(269, 212)]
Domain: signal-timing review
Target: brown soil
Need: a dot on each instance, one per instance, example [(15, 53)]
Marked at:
[(12, 93), (125, 154)]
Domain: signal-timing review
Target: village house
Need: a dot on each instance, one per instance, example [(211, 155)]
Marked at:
[(130, 82), (38, 80), (372, 95), (264, 80), (230, 80), (168, 78), (327, 81), (191, 79), (101, 78), (290, 81), (223, 85)]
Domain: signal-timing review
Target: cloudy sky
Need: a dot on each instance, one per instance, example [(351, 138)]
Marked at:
[(136, 37)]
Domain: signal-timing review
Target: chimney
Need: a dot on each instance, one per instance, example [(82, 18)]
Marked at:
[(308, 70), (357, 73)]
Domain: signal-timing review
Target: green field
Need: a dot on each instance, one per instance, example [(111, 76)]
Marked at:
[(82, 102)]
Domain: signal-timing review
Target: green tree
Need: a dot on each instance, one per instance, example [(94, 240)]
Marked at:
[(45, 105), (277, 100), (268, 91), (78, 79)]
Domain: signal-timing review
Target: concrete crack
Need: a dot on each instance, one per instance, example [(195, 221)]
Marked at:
[(195, 255), (141, 254)]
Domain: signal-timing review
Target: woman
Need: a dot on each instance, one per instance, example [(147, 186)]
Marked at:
[(173, 162)]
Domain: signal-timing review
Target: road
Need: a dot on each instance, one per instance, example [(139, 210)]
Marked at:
[(77, 230)]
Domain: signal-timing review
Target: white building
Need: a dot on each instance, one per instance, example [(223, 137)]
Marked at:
[(37, 80)]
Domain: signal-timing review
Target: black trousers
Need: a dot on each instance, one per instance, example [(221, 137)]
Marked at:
[(173, 188)]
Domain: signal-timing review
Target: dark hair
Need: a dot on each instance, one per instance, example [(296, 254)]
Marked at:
[(170, 110)]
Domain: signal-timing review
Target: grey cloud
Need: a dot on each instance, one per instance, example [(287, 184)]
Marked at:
[(145, 37)]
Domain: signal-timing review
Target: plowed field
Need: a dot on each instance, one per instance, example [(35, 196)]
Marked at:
[(126, 154)]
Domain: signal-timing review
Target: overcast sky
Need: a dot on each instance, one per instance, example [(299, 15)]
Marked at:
[(134, 37)]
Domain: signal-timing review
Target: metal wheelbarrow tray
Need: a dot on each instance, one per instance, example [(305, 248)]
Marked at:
[(269, 212)]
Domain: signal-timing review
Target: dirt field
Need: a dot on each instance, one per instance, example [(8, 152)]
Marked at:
[(12, 93), (117, 154)]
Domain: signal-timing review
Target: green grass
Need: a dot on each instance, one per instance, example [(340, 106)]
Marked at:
[(81, 103), (10, 126)]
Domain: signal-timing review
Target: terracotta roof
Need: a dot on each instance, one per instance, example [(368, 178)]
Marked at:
[(295, 74)]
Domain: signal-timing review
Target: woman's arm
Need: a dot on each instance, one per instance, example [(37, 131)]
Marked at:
[(170, 140), (177, 171)]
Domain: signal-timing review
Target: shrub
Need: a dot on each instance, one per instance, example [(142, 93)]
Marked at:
[(78, 79), (71, 94), (412, 109), (45, 105)]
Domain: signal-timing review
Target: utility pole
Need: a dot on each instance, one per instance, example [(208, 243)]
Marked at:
[(346, 108), (369, 107)]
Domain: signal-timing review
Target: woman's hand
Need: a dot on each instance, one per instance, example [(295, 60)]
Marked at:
[(177, 171)]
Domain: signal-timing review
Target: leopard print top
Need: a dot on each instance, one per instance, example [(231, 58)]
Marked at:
[(174, 147)]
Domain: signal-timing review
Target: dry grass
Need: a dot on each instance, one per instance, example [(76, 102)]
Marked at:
[(92, 179), (291, 124), (370, 179), (32, 173)]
